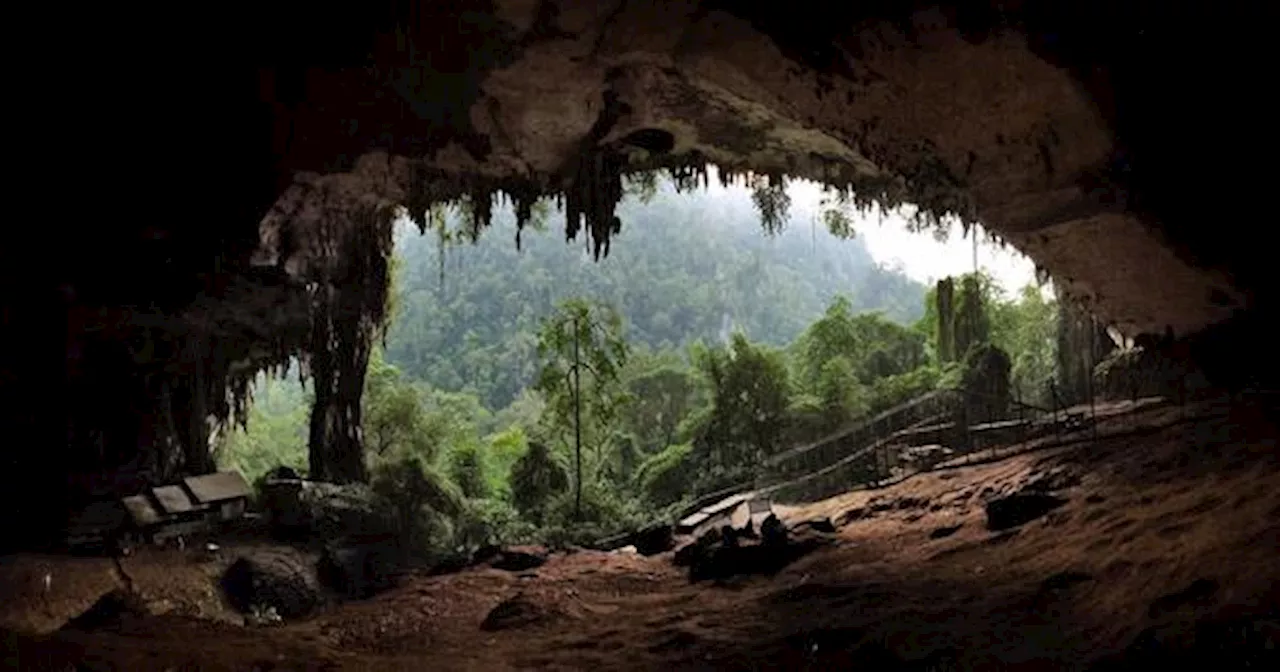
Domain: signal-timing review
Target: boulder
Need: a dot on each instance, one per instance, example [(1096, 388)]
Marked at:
[(654, 539), (516, 612), (519, 559), (359, 568), (1020, 508), (722, 554), (315, 511), (281, 580)]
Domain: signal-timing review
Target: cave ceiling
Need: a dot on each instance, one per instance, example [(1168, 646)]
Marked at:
[(959, 110)]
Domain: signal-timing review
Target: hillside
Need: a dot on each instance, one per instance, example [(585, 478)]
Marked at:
[(686, 266)]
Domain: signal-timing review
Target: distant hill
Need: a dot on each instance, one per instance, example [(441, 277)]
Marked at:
[(686, 266)]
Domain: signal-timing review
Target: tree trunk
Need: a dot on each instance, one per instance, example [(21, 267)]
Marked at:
[(577, 424), (946, 320)]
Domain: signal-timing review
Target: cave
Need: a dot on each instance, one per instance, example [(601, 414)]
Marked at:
[(242, 199)]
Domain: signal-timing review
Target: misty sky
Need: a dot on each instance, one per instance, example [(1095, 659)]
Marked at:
[(925, 259), (920, 255)]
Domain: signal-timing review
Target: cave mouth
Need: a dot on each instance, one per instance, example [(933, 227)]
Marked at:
[(1015, 127)]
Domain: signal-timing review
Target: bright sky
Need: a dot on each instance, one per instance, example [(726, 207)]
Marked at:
[(921, 256)]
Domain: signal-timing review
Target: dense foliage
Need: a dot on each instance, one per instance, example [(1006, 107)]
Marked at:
[(503, 408), (685, 267)]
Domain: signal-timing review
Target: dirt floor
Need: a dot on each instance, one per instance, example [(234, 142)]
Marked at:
[(915, 580)]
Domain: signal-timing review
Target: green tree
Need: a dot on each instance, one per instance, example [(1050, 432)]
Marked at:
[(395, 423), (536, 477), (582, 350), (661, 390), (665, 476), (467, 468), (750, 400)]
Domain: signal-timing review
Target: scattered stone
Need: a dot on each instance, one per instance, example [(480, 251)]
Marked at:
[(1021, 508), (943, 532), (272, 579), (516, 612), (720, 559), (262, 617)]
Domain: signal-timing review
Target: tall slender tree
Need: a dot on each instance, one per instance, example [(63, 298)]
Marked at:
[(582, 351)]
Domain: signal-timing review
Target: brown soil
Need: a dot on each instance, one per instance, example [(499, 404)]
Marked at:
[(1152, 514)]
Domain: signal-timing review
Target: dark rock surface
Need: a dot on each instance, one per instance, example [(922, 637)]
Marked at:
[(725, 553), (516, 612), (359, 568), (943, 532), (1018, 509), (519, 559), (281, 580)]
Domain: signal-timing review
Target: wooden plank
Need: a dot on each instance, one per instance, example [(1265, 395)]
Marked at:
[(174, 499), (217, 487)]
